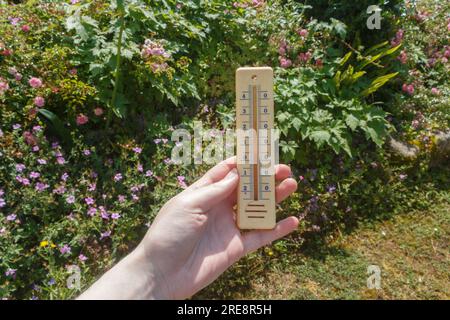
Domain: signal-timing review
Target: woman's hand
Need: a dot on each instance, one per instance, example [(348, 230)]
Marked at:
[(193, 240)]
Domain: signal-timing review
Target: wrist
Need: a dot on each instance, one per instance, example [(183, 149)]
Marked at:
[(134, 277)]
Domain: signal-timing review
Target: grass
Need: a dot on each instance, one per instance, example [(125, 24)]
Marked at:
[(411, 249)]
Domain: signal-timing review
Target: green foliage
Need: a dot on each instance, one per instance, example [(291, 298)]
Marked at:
[(329, 106)]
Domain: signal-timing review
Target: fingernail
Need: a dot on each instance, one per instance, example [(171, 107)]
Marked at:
[(231, 175)]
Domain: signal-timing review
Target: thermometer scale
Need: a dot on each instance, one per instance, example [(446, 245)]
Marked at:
[(255, 150)]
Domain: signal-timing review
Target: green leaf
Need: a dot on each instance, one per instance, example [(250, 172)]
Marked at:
[(57, 126)]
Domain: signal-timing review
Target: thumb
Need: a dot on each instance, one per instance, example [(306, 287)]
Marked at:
[(207, 197)]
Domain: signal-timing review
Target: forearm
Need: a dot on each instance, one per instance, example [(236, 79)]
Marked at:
[(131, 278)]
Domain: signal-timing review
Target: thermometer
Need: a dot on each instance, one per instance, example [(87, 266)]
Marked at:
[(255, 150)]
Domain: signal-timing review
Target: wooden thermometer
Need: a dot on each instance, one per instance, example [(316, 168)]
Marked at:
[(255, 154)]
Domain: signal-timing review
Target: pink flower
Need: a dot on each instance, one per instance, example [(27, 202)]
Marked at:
[(20, 167), (149, 173), (408, 88), (121, 198), (70, 199), (2, 202), (64, 176), (98, 112), (87, 152), (282, 50), (65, 249), (402, 57), (18, 76), (82, 119), (181, 182), (140, 168), (26, 28), (11, 217), (137, 150), (435, 91), (82, 257), (118, 177), (73, 71), (89, 201), (4, 86), (35, 82), (285, 63), (39, 101), (302, 33)]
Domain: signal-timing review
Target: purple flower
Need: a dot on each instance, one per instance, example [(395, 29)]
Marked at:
[(34, 175), (121, 198), (105, 234), (37, 128), (82, 257), (10, 272), (115, 216), (140, 168), (2, 202), (11, 217), (23, 181), (51, 282), (137, 150), (89, 201), (41, 186), (65, 249), (118, 177), (59, 190), (149, 173), (35, 148), (92, 187), (87, 152), (42, 161), (181, 182), (64, 176), (20, 167), (402, 176), (16, 126), (70, 199), (60, 160), (2, 192), (331, 189), (92, 211), (157, 141)]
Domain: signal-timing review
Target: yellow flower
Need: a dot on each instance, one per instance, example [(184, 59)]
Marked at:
[(53, 245), (44, 243)]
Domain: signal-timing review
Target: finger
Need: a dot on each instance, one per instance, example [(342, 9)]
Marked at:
[(206, 197), (215, 174), (284, 189), (282, 172), (258, 238)]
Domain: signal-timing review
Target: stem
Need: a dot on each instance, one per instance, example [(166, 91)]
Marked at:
[(117, 69)]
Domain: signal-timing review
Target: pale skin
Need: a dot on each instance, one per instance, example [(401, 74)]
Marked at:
[(192, 241)]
